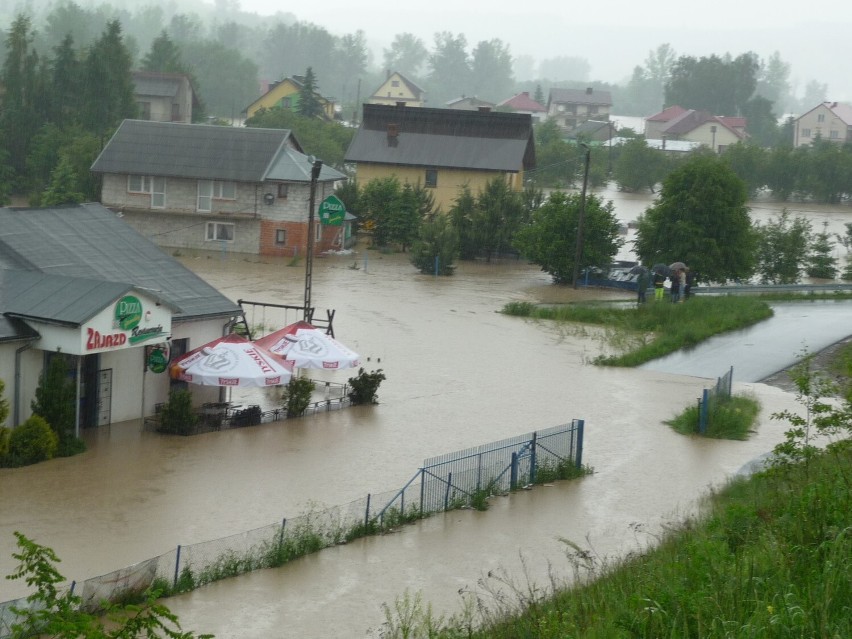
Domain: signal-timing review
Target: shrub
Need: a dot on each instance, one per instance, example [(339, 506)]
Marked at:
[(5, 433), (177, 416), (297, 395), (32, 442), (365, 386)]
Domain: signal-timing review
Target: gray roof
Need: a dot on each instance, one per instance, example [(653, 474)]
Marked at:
[(207, 152), (580, 96), (86, 242), (13, 330), (156, 84), (449, 138)]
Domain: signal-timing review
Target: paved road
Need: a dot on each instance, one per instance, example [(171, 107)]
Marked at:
[(766, 348)]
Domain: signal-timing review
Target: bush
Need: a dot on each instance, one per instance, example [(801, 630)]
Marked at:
[(297, 395), (32, 442), (365, 386), (5, 433), (177, 416)]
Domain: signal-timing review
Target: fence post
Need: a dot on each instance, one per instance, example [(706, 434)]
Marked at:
[(281, 534), (533, 457), (422, 489), (513, 476), (367, 513), (580, 429), (73, 584), (447, 491), (177, 567), (703, 403)]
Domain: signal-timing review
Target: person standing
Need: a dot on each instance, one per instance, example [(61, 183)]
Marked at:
[(642, 286), (659, 290), (681, 278), (690, 278), (675, 289)]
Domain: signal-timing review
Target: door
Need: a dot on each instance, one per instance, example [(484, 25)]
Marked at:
[(104, 397)]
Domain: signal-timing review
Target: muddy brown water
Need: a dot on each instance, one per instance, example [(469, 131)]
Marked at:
[(459, 374)]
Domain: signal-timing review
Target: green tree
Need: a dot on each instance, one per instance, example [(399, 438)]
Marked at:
[(721, 86), (762, 122), (821, 262), (52, 611), (227, 80), (783, 164), (379, 201), (449, 68), (638, 166), (66, 84), (846, 241), (782, 248), (491, 70), (4, 404), (63, 188), (55, 399), (415, 203), (437, 247), (498, 214), (558, 164), (164, 56), (461, 217), (320, 138), (407, 55), (7, 177), (309, 104), (700, 218), (773, 83), (550, 238), (748, 161), (827, 174)]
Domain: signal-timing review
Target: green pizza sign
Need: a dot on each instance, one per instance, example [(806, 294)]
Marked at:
[(332, 211), (128, 313)]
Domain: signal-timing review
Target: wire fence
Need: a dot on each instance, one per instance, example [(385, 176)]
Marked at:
[(721, 391), (450, 481)]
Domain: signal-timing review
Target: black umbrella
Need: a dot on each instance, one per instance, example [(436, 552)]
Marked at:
[(662, 269), (638, 270)]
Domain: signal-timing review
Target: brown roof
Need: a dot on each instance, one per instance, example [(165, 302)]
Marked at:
[(523, 102), (667, 114)]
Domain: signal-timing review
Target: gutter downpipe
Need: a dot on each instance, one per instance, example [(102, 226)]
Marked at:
[(16, 414)]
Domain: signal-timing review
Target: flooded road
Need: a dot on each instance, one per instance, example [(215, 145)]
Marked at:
[(459, 374)]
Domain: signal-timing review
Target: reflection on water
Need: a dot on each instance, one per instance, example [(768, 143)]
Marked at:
[(458, 374)]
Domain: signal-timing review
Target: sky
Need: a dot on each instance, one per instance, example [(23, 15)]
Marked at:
[(615, 37)]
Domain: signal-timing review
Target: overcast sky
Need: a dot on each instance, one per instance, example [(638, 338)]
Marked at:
[(613, 36)]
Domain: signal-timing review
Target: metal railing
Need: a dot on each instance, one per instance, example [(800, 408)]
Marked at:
[(722, 390)]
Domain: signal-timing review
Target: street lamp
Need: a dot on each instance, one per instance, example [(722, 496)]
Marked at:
[(309, 253), (578, 255)]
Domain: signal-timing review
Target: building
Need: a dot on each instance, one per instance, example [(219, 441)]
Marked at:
[(569, 108), (284, 94), (78, 280), (164, 97), (194, 186), (397, 88), (523, 103), (465, 103), (442, 149), (830, 121), (678, 124)]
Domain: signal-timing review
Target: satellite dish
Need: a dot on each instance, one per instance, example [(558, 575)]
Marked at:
[(268, 198)]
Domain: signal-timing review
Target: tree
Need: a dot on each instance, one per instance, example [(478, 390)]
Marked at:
[(782, 248), (320, 138), (564, 67), (491, 70), (461, 217), (638, 166), (748, 161), (56, 612), (827, 173), (66, 84), (226, 79), (309, 104), (55, 399), (407, 55), (846, 241), (701, 219), (496, 217), (4, 404), (450, 73), (379, 201), (164, 56), (62, 188), (721, 86), (437, 247), (550, 238), (773, 83), (821, 262), (762, 122)]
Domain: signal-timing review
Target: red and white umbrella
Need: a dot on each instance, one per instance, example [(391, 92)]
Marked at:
[(309, 347), (232, 361)]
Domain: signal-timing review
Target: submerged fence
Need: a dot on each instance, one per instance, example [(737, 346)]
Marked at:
[(443, 483), (722, 390)]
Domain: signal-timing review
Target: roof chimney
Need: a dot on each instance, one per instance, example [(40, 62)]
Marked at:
[(588, 90)]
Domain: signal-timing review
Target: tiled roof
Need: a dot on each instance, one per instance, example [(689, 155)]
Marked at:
[(523, 102), (667, 114), (841, 110)]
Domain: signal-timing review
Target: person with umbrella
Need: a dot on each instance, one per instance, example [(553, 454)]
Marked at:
[(660, 272), (678, 278), (641, 281)]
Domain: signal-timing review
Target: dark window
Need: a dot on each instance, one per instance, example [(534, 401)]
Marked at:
[(282, 190), (281, 236), (432, 177)]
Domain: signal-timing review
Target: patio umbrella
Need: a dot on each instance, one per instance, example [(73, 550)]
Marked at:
[(309, 347), (232, 361), (677, 266)]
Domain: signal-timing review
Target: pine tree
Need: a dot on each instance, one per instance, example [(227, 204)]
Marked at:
[(109, 89), (63, 188), (821, 263), (309, 104), (164, 56)]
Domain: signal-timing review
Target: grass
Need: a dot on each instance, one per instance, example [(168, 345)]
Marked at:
[(727, 418), (671, 327)]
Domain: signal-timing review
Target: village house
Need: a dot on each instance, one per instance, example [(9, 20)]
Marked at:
[(523, 103), (443, 150), (164, 97), (830, 121), (397, 88), (194, 186), (284, 94), (701, 127), (569, 108)]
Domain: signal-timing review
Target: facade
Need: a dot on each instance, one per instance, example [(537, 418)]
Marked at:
[(523, 103), (830, 121), (701, 127), (164, 97), (285, 95), (397, 88), (569, 108), (79, 281), (204, 187), (465, 103), (442, 149)]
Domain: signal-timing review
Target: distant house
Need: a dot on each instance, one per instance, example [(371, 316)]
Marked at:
[(164, 97), (594, 131), (285, 95), (702, 127), (199, 186), (569, 108), (470, 104), (829, 121), (397, 88), (523, 103), (442, 149)]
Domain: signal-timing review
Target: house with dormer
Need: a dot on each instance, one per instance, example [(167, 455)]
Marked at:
[(284, 94), (164, 97), (397, 88), (443, 150), (569, 108), (220, 188), (830, 121)]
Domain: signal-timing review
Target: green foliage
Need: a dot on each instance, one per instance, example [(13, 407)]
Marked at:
[(782, 248), (325, 140), (550, 471), (701, 219), (719, 85), (550, 239), (55, 612), (309, 104), (297, 395), (638, 166), (748, 162), (394, 211), (821, 261), (365, 386), (727, 418), (177, 415), (5, 435), (437, 247), (846, 241), (4, 403), (55, 399), (32, 442)]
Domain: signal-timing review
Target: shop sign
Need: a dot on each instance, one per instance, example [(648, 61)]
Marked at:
[(157, 358), (332, 211), (126, 330)]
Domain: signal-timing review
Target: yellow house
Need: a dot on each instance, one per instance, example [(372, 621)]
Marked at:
[(442, 149), (285, 94), (397, 88)]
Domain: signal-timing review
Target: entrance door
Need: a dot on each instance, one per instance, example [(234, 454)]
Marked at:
[(104, 397)]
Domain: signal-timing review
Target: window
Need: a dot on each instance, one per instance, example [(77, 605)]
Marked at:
[(834, 135), (219, 231), (283, 190), (394, 83), (225, 190), (821, 117), (209, 190), (144, 110), (175, 112), (432, 177), (281, 237), (156, 186), (806, 133)]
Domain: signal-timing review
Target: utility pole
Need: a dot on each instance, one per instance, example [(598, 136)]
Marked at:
[(309, 253), (580, 218)]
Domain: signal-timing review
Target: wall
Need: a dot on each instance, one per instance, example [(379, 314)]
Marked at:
[(811, 121), (127, 370)]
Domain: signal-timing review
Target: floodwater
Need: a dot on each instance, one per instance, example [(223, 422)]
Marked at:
[(459, 374)]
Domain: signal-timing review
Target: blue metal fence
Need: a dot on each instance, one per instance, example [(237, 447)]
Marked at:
[(722, 390)]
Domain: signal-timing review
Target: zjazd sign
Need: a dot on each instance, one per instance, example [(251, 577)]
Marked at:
[(127, 327), (332, 211)]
